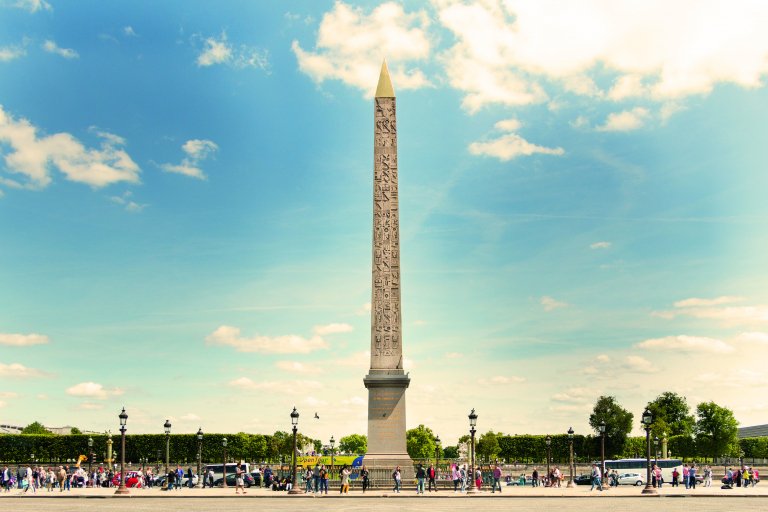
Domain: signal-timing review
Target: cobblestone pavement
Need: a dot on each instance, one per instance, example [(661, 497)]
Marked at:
[(623, 499)]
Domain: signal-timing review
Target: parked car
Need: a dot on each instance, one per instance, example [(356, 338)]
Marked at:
[(256, 475), (247, 480), (527, 480), (583, 480), (132, 479), (631, 479)]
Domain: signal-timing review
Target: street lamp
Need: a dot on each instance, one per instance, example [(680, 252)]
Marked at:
[(656, 450), (332, 442), (570, 463), (122, 489), (224, 466), (294, 422), (548, 441), (472, 423), (167, 427), (90, 455), (647, 420), (199, 453), (437, 452)]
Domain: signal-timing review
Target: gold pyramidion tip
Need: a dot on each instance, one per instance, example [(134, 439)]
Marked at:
[(384, 89)]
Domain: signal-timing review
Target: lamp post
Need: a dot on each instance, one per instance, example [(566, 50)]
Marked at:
[(647, 420), (601, 428), (570, 459), (295, 423), (224, 466), (332, 443), (199, 454), (437, 452), (167, 428), (472, 423), (548, 441), (656, 450), (90, 455), (122, 489)]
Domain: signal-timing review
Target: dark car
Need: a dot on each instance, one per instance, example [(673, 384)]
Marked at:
[(583, 480), (256, 478), (247, 480)]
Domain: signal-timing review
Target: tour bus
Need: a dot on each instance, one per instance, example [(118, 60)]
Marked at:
[(639, 465), (218, 469)]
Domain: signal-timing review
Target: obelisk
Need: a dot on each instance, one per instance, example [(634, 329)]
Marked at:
[(386, 381)]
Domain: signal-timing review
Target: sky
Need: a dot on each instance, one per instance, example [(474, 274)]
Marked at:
[(186, 209)]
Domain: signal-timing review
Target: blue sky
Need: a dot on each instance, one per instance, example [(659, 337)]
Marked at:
[(185, 210)]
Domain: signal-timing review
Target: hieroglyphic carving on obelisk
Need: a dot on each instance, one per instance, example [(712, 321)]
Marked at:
[(386, 381)]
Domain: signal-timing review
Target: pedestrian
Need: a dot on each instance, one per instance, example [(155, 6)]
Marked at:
[(456, 476), (535, 478), (675, 477), (496, 479), (396, 478), (692, 476), (364, 478), (431, 475), (345, 472), (308, 480), (323, 479), (316, 476), (239, 480), (421, 475), (596, 480), (463, 478), (686, 482), (478, 478)]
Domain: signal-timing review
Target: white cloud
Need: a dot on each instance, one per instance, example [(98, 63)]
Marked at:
[(696, 302), (355, 400), (127, 203), (365, 309), (510, 52), (508, 125), (31, 156), (638, 364), (288, 344), (550, 304), (8, 53), (196, 150), (93, 390), (128, 31), (574, 394), (687, 344), (297, 367), (600, 245), (23, 340), (91, 406), (50, 46), (19, 370), (603, 358), (357, 359), (295, 387), (510, 146), (502, 379), (190, 417), (33, 5), (322, 330), (351, 45), (625, 121), (580, 122), (314, 402), (221, 51), (753, 338)]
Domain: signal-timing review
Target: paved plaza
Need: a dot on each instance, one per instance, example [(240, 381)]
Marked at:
[(541, 499)]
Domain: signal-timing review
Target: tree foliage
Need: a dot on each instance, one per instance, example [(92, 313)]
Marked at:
[(618, 424), (671, 416), (420, 442), (356, 444), (716, 430), (451, 452), (36, 428), (488, 446)]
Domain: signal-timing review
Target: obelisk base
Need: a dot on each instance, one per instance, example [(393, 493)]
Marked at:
[(386, 428)]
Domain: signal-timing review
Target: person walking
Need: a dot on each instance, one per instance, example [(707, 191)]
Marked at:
[(456, 477), (496, 479), (323, 479), (308, 480), (596, 480), (463, 472), (239, 480), (431, 475), (421, 475), (535, 478), (364, 477), (345, 472), (396, 478), (316, 476), (692, 476)]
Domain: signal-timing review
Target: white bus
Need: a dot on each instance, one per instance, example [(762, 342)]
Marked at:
[(639, 465)]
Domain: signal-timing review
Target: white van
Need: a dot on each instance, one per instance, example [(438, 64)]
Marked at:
[(218, 469)]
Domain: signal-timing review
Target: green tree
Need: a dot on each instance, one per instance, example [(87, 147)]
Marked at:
[(451, 452), (75, 431), (36, 428), (354, 443), (671, 416), (618, 424), (420, 442), (716, 430), (488, 446)]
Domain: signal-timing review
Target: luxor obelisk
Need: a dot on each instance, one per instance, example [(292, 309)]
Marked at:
[(386, 381)]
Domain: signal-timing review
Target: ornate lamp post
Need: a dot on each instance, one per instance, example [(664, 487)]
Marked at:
[(656, 450), (437, 452), (199, 454), (332, 443), (90, 455), (548, 441), (601, 428), (570, 459), (167, 428), (122, 489), (224, 466), (294, 422), (647, 420), (472, 423)]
